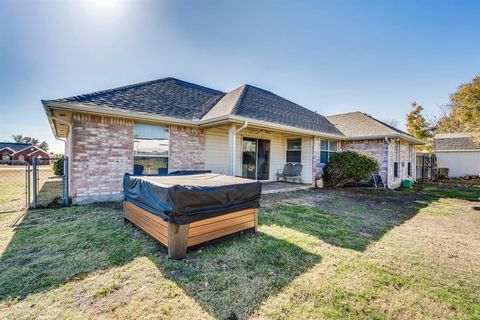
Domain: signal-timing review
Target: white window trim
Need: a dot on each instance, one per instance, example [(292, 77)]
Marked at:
[(328, 150), (154, 155), (298, 150)]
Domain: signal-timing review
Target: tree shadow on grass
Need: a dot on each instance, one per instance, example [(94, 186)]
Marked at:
[(230, 279), (348, 218)]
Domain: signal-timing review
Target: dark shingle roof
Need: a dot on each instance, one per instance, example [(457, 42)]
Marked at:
[(14, 146), (166, 97), (263, 105), (175, 98), (454, 141), (360, 125), (255, 103)]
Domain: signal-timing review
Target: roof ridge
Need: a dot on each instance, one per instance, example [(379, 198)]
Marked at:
[(345, 113), (239, 98), (283, 98), (388, 126)]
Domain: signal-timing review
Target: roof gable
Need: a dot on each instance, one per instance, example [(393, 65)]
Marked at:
[(255, 103), (227, 104), (29, 149)]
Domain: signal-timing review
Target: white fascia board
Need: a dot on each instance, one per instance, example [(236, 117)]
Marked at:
[(31, 146), (38, 150), (390, 136), (154, 118), (135, 115), (282, 127)]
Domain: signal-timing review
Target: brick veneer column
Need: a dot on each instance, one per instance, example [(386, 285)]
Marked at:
[(102, 152), (316, 168), (187, 148)]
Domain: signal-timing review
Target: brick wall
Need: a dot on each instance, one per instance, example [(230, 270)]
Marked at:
[(403, 163), (379, 150), (376, 148), (102, 151), (316, 168), (187, 148)]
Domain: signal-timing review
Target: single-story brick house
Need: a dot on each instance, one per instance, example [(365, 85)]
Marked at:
[(21, 151), (394, 149), (458, 152), (166, 125)]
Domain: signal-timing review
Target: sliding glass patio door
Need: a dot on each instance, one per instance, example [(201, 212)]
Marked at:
[(256, 158)]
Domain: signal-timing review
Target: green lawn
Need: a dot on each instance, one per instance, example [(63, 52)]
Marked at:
[(342, 254)]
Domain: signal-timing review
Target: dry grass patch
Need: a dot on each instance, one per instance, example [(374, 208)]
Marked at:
[(347, 254)]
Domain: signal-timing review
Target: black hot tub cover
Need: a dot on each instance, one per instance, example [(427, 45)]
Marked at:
[(184, 199)]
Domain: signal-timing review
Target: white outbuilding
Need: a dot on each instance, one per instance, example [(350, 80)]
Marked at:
[(457, 152)]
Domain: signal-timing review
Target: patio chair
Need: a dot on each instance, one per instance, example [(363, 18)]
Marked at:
[(290, 171)]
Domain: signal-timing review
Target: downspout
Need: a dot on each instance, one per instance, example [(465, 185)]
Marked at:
[(388, 162), (245, 124), (233, 147)]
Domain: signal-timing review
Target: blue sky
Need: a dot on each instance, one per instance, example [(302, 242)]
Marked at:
[(332, 57)]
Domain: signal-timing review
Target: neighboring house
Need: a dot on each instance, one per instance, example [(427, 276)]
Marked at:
[(22, 152), (457, 152), (394, 149), (167, 125)]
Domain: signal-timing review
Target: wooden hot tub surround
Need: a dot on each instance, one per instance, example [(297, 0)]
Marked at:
[(177, 238)]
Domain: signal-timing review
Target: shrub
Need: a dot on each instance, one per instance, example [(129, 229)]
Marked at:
[(58, 166), (349, 166)]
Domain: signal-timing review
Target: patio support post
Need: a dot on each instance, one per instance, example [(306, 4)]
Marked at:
[(232, 140), (232, 137)]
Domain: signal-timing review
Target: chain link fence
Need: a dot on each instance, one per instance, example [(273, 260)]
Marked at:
[(14, 185), (42, 184), (50, 189)]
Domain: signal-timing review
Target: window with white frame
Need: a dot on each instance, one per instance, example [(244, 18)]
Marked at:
[(396, 157), (411, 155), (294, 150), (150, 149), (327, 149)]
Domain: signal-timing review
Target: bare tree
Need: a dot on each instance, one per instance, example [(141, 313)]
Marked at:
[(391, 122)]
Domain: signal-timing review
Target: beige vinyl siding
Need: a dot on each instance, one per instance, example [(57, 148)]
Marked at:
[(216, 150)]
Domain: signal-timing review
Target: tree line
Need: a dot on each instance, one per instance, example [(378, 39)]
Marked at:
[(462, 114), (33, 141)]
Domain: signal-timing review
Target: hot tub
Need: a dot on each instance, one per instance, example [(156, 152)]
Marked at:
[(182, 211)]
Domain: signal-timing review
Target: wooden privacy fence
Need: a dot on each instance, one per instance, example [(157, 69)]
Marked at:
[(426, 167)]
